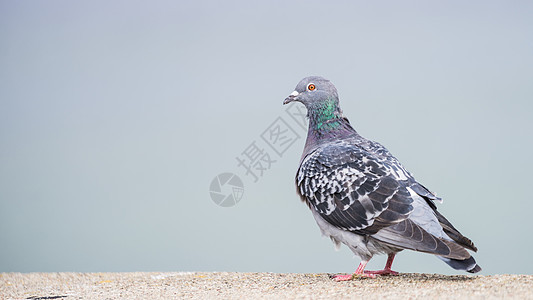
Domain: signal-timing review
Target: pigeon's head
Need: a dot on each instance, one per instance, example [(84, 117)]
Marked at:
[(314, 91)]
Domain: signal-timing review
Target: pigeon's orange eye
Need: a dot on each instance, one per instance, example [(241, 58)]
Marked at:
[(311, 87)]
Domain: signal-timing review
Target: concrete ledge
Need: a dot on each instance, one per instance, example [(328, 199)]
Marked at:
[(258, 285)]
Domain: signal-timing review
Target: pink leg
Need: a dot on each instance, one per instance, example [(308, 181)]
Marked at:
[(387, 270), (360, 272)]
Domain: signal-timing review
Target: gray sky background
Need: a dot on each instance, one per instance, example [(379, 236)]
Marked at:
[(115, 117)]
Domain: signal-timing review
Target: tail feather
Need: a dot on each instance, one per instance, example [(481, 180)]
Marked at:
[(409, 235), (468, 264), (454, 233)]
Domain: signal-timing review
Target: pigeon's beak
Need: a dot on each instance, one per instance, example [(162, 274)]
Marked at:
[(292, 97)]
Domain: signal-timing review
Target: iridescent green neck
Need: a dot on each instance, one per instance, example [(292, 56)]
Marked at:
[(326, 124), (325, 116)]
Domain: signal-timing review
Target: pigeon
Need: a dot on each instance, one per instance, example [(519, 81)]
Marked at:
[(362, 196)]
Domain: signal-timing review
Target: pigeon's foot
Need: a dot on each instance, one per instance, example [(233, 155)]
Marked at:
[(382, 272), (359, 273), (349, 277), (387, 270)]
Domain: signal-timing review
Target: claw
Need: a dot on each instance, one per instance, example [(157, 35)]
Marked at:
[(382, 272), (349, 277)]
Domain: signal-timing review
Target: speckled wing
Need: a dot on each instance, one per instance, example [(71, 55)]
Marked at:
[(408, 229), (399, 171), (352, 188)]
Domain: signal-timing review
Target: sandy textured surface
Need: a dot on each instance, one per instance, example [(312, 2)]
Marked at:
[(258, 285)]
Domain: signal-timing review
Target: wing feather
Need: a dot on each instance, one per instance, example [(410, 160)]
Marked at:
[(352, 189)]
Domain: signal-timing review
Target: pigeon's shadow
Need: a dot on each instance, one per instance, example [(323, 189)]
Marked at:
[(436, 277), (421, 277)]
